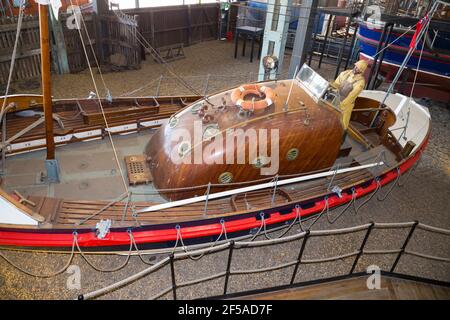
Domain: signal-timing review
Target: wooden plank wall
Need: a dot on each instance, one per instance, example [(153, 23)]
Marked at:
[(188, 24), (118, 35), (75, 53), (27, 64), (106, 34)]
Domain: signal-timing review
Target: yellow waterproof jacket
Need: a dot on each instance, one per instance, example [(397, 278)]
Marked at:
[(358, 83)]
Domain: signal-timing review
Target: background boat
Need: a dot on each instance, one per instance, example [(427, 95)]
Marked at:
[(434, 68)]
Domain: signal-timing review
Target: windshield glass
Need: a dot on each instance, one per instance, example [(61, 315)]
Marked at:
[(312, 81)]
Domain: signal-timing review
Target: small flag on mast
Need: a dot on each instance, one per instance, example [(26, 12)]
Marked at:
[(419, 27)]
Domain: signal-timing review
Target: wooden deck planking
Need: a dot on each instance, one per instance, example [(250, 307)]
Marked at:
[(356, 289)]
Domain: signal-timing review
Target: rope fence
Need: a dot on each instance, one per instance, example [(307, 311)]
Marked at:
[(223, 244), (231, 246)]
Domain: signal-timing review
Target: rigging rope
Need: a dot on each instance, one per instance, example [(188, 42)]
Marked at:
[(101, 105), (414, 83), (398, 38), (13, 57), (152, 50), (94, 55)]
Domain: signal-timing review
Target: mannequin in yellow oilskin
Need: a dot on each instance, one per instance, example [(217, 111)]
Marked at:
[(349, 84)]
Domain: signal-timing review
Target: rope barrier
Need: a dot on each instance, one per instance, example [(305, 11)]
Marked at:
[(401, 184), (393, 251), (196, 258), (382, 198), (127, 280), (378, 188), (393, 225), (247, 244), (334, 258), (120, 267), (325, 208), (433, 229), (426, 256), (331, 221), (260, 270), (51, 275), (333, 232)]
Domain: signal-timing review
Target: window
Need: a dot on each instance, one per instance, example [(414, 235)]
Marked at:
[(312, 81)]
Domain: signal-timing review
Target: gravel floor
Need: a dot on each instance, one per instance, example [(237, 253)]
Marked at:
[(425, 198)]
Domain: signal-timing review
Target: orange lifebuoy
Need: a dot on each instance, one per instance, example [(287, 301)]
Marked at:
[(238, 95)]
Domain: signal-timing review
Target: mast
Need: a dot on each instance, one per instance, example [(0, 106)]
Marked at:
[(51, 163)]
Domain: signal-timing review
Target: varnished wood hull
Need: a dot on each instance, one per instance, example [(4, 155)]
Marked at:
[(313, 130)]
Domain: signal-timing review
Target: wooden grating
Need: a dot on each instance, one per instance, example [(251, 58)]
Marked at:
[(137, 170)]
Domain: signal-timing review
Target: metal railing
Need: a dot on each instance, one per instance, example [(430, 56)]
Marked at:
[(304, 236)]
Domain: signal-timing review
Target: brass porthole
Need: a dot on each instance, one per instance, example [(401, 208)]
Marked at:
[(225, 177), (195, 108), (292, 154), (173, 121), (210, 131), (260, 162), (183, 148)]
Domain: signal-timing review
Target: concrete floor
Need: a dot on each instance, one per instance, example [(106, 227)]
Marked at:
[(425, 197)]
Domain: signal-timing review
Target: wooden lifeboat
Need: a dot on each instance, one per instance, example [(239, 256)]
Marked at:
[(309, 138), (371, 157)]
